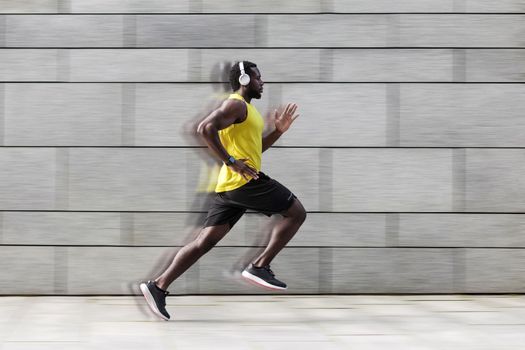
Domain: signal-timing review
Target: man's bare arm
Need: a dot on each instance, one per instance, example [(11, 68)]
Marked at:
[(270, 138), (230, 112), (282, 121)]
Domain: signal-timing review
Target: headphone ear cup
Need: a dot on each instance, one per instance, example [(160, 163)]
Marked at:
[(244, 79)]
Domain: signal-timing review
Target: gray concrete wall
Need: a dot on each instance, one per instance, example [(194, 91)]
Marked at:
[(408, 154)]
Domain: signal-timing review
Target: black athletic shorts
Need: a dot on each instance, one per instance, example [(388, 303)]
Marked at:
[(264, 195)]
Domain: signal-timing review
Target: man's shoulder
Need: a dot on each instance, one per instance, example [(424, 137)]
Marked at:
[(235, 107), (234, 104)]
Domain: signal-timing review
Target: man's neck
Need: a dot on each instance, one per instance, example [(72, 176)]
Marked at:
[(244, 95)]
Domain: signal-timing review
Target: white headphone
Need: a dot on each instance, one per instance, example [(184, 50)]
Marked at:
[(244, 79)]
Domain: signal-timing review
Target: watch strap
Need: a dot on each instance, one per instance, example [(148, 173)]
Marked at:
[(230, 160)]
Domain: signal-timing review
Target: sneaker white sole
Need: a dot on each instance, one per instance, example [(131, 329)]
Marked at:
[(151, 302), (260, 281)]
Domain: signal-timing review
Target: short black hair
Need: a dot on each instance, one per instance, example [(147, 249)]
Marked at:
[(235, 73)]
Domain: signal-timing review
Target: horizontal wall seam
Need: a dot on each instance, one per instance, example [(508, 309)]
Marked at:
[(269, 47), (261, 246), (254, 13), (346, 48), (268, 293), (182, 82), (281, 147), (253, 212)]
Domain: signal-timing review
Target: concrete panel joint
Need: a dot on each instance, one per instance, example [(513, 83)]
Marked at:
[(459, 270), (392, 230), (326, 65), (130, 31), (61, 270), (393, 115), (3, 30), (459, 65), (128, 114), (127, 228), (459, 160), (393, 35), (62, 179), (195, 71), (2, 114), (276, 99), (325, 270), (1, 227), (261, 30), (63, 65), (326, 173)]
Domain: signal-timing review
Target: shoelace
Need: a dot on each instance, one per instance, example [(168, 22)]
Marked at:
[(161, 290), (165, 294), (267, 268)]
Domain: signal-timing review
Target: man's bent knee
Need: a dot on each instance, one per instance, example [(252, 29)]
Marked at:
[(210, 236), (296, 212), (301, 217)]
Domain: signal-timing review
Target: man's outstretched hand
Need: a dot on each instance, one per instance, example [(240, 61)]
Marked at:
[(284, 119)]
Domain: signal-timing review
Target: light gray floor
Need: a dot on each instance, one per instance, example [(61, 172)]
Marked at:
[(266, 322)]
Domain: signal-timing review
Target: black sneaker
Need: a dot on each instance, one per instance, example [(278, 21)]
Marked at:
[(263, 276), (156, 299)]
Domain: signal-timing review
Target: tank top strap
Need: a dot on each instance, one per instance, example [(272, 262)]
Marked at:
[(236, 96)]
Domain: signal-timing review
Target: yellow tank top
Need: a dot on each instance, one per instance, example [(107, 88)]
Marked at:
[(242, 140)]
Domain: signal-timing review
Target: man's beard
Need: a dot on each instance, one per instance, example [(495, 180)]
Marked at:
[(256, 94)]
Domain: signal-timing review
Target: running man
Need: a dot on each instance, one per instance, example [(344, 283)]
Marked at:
[(234, 132)]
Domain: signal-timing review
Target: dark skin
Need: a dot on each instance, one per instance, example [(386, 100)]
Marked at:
[(234, 111)]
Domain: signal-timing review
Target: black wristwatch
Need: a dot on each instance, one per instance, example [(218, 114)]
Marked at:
[(230, 161)]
